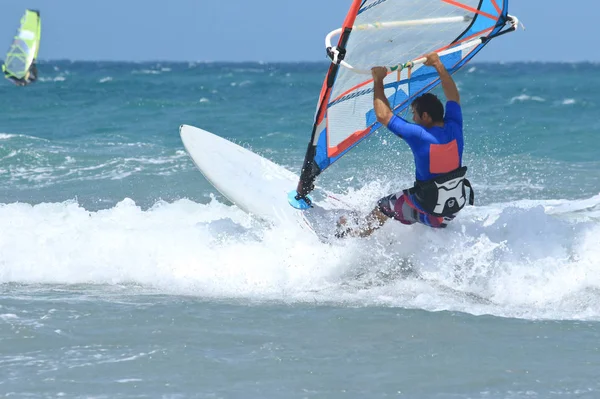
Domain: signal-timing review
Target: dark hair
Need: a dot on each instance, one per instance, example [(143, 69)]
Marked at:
[(431, 104)]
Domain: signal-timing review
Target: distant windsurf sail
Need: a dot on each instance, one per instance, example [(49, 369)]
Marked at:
[(396, 34), (25, 47)]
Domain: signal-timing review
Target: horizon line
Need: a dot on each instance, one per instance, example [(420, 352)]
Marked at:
[(48, 60)]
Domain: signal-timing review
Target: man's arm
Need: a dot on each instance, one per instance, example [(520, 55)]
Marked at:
[(450, 89), (384, 112), (381, 104)]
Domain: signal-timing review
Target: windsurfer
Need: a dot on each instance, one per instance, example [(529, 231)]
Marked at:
[(436, 140)]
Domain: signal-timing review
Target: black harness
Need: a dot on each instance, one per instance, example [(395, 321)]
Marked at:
[(444, 195)]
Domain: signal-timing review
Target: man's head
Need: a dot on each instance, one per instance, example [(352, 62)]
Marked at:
[(427, 110)]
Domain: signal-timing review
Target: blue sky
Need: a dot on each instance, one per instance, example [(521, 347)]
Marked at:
[(265, 30)]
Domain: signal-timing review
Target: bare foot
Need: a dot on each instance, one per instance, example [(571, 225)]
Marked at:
[(341, 230)]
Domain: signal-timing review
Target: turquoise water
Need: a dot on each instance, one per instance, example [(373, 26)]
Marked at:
[(125, 274)]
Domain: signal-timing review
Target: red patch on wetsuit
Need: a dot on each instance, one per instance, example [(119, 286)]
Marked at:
[(443, 158)]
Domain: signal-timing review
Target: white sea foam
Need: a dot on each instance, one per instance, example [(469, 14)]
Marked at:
[(525, 97), (146, 72), (52, 79), (530, 259), (72, 169)]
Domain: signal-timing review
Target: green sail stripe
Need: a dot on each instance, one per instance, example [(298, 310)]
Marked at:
[(25, 46)]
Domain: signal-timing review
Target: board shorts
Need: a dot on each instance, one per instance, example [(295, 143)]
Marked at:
[(401, 207)]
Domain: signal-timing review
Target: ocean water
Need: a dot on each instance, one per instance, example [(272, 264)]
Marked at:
[(124, 274)]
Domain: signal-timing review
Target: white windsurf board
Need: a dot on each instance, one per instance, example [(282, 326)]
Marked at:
[(253, 183)]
